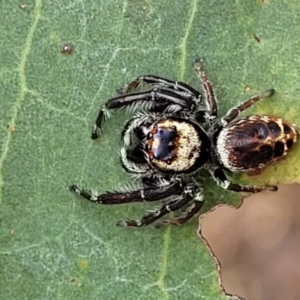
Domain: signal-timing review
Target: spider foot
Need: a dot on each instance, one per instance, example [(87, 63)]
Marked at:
[(198, 64), (89, 196), (269, 93), (127, 88), (74, 188), (97, 126), (272, 188), (187, 215), (198, 61), (103, 115), (95, 133), (129, 223)]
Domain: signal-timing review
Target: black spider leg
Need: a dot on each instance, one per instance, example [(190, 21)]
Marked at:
[(133, 165), (173, 204), (103, 114), (235, 112), (155, 95), (165, 95), (155, 81), (163, 189), (159, 82), (128, 195), (197, 194), (221, 178), (177, 100), (209, 94)]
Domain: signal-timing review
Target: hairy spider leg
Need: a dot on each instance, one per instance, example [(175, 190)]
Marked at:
[(209, 94), (164, 96), (155, 81), (146, 194), (160, 94), (235, 112), (187, 194), (172, 100), (180, 192), (191, 210), (208, 97), (219, 175)]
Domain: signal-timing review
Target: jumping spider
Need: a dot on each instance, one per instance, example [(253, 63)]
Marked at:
[(175, 133)]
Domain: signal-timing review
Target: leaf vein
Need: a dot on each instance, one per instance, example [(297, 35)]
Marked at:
[(183, 43), (23, 88)]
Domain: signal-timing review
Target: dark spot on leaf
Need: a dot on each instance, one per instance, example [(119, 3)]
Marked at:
[(256, 38), (67, 48)]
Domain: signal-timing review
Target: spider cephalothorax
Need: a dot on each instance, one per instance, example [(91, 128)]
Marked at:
[(176, 132), (176, 145)]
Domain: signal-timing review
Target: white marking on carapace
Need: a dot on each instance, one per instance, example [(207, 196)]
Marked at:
[(188, 150)]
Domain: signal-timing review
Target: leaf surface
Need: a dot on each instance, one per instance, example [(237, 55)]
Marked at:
[(57, 246)]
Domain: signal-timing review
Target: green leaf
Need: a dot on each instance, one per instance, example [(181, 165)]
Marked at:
[(57, 246)]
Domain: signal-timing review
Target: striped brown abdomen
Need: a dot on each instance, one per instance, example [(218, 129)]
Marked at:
[(253, 142)]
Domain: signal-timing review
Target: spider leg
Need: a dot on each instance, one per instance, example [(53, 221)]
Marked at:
[(173, 100), (155, 81), (132, 137), (172, 205), (97, 126), (164, 95), (234, 113), (209, 95), (147, 194), (190, 211), (134, 165), (102, 116), (220, 177)]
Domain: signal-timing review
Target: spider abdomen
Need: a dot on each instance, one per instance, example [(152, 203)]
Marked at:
[(253, 142)]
